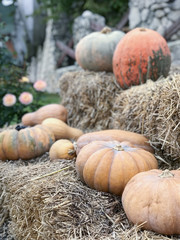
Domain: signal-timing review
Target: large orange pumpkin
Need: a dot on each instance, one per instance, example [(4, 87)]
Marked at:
[(152, 199), (95, 51), (26, 143), (108, 165), (140, 55)]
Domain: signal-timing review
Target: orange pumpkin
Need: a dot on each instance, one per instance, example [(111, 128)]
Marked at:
[(140, 55), (95, 51), (152, 199), (136, 139), (108, 165), (26, 143)]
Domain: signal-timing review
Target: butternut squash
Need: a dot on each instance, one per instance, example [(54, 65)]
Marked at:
[(61, 130)]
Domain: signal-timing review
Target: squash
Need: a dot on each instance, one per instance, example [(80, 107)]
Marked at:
[(138, 140), (140, 55), (49, 110), (152, 199), (108, 165), (61, 130), (62, 149), (26, 143), (95, 51)]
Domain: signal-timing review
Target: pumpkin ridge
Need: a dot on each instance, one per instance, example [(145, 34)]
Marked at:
[(114, 153), (2, 148), (99, 165), (148, 161)]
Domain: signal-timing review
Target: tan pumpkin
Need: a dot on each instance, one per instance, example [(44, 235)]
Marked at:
[(25, 144), (62, 149), (108, 165), (95, 51), (50, 110), (152, 199), (114, 134), (61, 130)]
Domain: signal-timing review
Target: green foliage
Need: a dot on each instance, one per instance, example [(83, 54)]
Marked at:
[(10, 75), (111, 10)]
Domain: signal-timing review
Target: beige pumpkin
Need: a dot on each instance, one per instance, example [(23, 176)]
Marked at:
[(62, 149), (50, 110), (61, 130)]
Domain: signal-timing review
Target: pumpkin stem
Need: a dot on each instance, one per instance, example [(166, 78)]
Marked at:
[(118, 148), (166, 173), (19, 127), (142, 29), (106, 30)]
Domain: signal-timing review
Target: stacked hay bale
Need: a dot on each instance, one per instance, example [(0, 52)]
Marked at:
[(89, 98), (46, 201)]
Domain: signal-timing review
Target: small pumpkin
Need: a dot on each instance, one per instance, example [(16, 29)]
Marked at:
[(61, 130), (152, 199), (140, 55), (136, 139), (108, 165), (62, 149), (50, 110), (95, 51), (26, 143)]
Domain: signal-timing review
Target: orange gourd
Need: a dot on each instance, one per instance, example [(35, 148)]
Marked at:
[(136, 139), (140, 55), (50, 110), (108, 165)]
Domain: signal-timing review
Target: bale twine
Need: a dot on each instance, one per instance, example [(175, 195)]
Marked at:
[(46, 200), (152, 109), (89, 98)]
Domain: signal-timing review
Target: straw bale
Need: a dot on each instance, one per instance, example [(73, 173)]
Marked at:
[(89, 97), (59, 206), (152, 109)]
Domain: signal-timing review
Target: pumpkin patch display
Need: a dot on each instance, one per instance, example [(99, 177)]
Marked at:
[(138, 140), (140, 55), (108, 165), (94, 52), (50, 110), (26, 143), (61, 130), (62, 149), (152, 199)]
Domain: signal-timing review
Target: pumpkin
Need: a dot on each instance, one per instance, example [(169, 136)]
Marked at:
[(26, 143), (140, 55), (152, 199), (49, 110), (95, 51), (136, 139), (62, 149), (61, 130), (108, 165)]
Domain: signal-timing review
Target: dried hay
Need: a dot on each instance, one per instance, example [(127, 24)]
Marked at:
[(58, 206), (95, 102), (152, 109), (89, 98)]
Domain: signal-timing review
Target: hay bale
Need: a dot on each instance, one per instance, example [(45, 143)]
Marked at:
[(152, 109), (89, 98), (59, 206)]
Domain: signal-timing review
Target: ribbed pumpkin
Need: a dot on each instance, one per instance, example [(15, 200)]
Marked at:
[(50, 110), (108, 166), (152, 199), (25, 144), (95, 51), (136, 139), (140, 55)]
